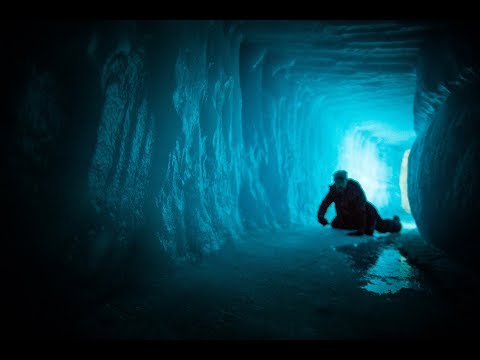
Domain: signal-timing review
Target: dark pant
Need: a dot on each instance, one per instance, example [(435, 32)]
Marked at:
[(373, 222)]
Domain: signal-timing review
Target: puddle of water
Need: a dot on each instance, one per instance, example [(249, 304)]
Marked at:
[(391, 273), (383, 268)]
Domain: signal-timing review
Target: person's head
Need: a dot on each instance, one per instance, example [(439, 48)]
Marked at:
[(340, 178)]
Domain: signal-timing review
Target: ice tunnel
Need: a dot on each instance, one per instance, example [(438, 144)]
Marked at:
[(173, 139)]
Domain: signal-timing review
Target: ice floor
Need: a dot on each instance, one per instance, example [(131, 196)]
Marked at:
[(313, 283)]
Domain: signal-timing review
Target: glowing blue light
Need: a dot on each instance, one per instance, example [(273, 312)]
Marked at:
[(359, 156)]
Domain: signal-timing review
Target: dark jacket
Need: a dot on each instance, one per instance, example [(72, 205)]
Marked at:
[(349, 205)]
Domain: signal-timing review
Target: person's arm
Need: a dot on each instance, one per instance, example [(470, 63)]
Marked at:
[(324, 206)]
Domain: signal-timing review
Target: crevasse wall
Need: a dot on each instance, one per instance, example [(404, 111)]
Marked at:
[(443, 162)]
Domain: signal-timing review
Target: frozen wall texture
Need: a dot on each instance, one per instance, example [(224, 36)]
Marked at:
[(443, 165), (169, 139), (277, 134), (126, 149)]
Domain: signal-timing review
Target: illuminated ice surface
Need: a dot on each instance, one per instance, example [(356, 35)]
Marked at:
[(391, 273)]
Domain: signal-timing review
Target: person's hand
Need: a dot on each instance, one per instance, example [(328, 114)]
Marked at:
[(322, 220), (356, 233)]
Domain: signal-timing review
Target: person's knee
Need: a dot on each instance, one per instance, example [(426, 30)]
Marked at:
[(370, 225), (336, 224), (369, 232), (342, 224)]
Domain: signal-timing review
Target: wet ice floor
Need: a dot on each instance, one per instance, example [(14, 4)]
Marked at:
[(391, 273), (313, 283), (383, 269)]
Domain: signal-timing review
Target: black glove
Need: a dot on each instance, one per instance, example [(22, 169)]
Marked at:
[(356, 233), (322, 220)]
